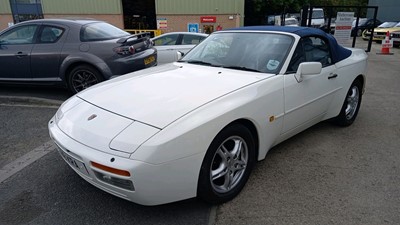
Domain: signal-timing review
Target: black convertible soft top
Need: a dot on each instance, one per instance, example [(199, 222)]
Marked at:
[(339, 53)]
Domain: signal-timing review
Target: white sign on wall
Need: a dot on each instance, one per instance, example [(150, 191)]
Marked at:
[(162, 23), (343, 27)]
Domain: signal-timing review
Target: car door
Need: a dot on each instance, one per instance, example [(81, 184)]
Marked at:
[(307, 100), (166, 48), (15, 51), (45, 56)]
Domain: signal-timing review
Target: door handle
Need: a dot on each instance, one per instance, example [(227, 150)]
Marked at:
[(21, 54), (332, 75)]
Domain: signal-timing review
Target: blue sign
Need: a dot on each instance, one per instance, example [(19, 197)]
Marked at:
[(193, 27)]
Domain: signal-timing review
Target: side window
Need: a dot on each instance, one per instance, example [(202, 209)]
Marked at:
[(50, 34), (317, 49), (166, 40), (310, 49), (19, 35), (297, 58), (191, 39)]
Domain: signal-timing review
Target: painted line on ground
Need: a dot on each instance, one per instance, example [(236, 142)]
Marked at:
[(4, 99), (213, 215), (25, 160), (30, 106)]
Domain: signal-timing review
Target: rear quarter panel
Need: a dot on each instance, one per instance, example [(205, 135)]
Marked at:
[(348, 70)]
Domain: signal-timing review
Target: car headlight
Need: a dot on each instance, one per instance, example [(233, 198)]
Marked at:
[(67, 105)]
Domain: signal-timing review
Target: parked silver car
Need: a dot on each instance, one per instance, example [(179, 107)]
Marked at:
[(74, 53), (169, 44)]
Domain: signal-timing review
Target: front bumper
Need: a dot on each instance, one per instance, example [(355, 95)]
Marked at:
[(152, 184)]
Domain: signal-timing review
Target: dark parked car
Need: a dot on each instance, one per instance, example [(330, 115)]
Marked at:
[(363, 24), (74, 53)]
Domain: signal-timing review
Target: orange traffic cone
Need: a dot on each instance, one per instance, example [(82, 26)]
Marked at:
[(386, 45)]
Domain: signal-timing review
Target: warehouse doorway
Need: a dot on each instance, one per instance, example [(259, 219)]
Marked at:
[(139, 14)]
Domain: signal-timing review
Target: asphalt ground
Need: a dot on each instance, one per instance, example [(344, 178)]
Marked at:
[(325, 175), (38, 187)]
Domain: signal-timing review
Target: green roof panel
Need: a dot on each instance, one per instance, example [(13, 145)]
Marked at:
[(5, 7), (82, 7)]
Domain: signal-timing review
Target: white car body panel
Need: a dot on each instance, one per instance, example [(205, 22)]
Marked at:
[(168, 53), (172, 92), (158, 123), (164, 185)]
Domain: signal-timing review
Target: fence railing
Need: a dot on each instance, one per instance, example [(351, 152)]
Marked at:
[(153, 33)]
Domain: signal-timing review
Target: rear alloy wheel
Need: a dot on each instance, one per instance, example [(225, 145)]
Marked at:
[(351, 105), (227, 165), (82, 77)]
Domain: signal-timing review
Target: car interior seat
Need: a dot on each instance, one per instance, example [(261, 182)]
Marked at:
[(48, 36)]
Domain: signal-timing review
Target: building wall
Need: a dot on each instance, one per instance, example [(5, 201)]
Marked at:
[(388, 10), (5, 7), (116, 20), (178, 13), (82, 7), (5, 14), (199, 7), (105, 10), (4, 20), (177, 23)]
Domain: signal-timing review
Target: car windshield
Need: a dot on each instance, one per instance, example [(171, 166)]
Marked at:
[(101, 31), (257, 52), (318, 14), (290, 22), (398, 25), (387, 24), (361, 21)]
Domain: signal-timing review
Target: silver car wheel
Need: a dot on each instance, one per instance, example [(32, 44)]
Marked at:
[(228, 164), (352, 102)]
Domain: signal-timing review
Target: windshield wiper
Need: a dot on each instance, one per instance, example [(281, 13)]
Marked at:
[(241, 68), (198, 62)]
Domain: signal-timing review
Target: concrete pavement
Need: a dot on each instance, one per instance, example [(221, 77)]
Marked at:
[(333, 175), (325, 175)]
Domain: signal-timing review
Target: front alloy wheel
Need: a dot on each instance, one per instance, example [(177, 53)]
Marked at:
[(227, 164)]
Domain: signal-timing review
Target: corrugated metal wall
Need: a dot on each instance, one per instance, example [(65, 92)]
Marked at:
[(81, 6), (388, 9), (200, 7), (5, 7)]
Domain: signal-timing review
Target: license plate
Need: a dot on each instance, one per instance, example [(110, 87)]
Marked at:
[(77, 164), (149, 60)]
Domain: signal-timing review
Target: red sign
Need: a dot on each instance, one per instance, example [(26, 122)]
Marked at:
[(343, 28), (208, 19)]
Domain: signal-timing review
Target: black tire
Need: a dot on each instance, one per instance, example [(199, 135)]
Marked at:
[(359, 32), (231, 170), (82, 77), (351, 105)]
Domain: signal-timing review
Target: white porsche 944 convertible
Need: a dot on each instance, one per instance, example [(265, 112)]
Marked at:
[(196, 127)]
